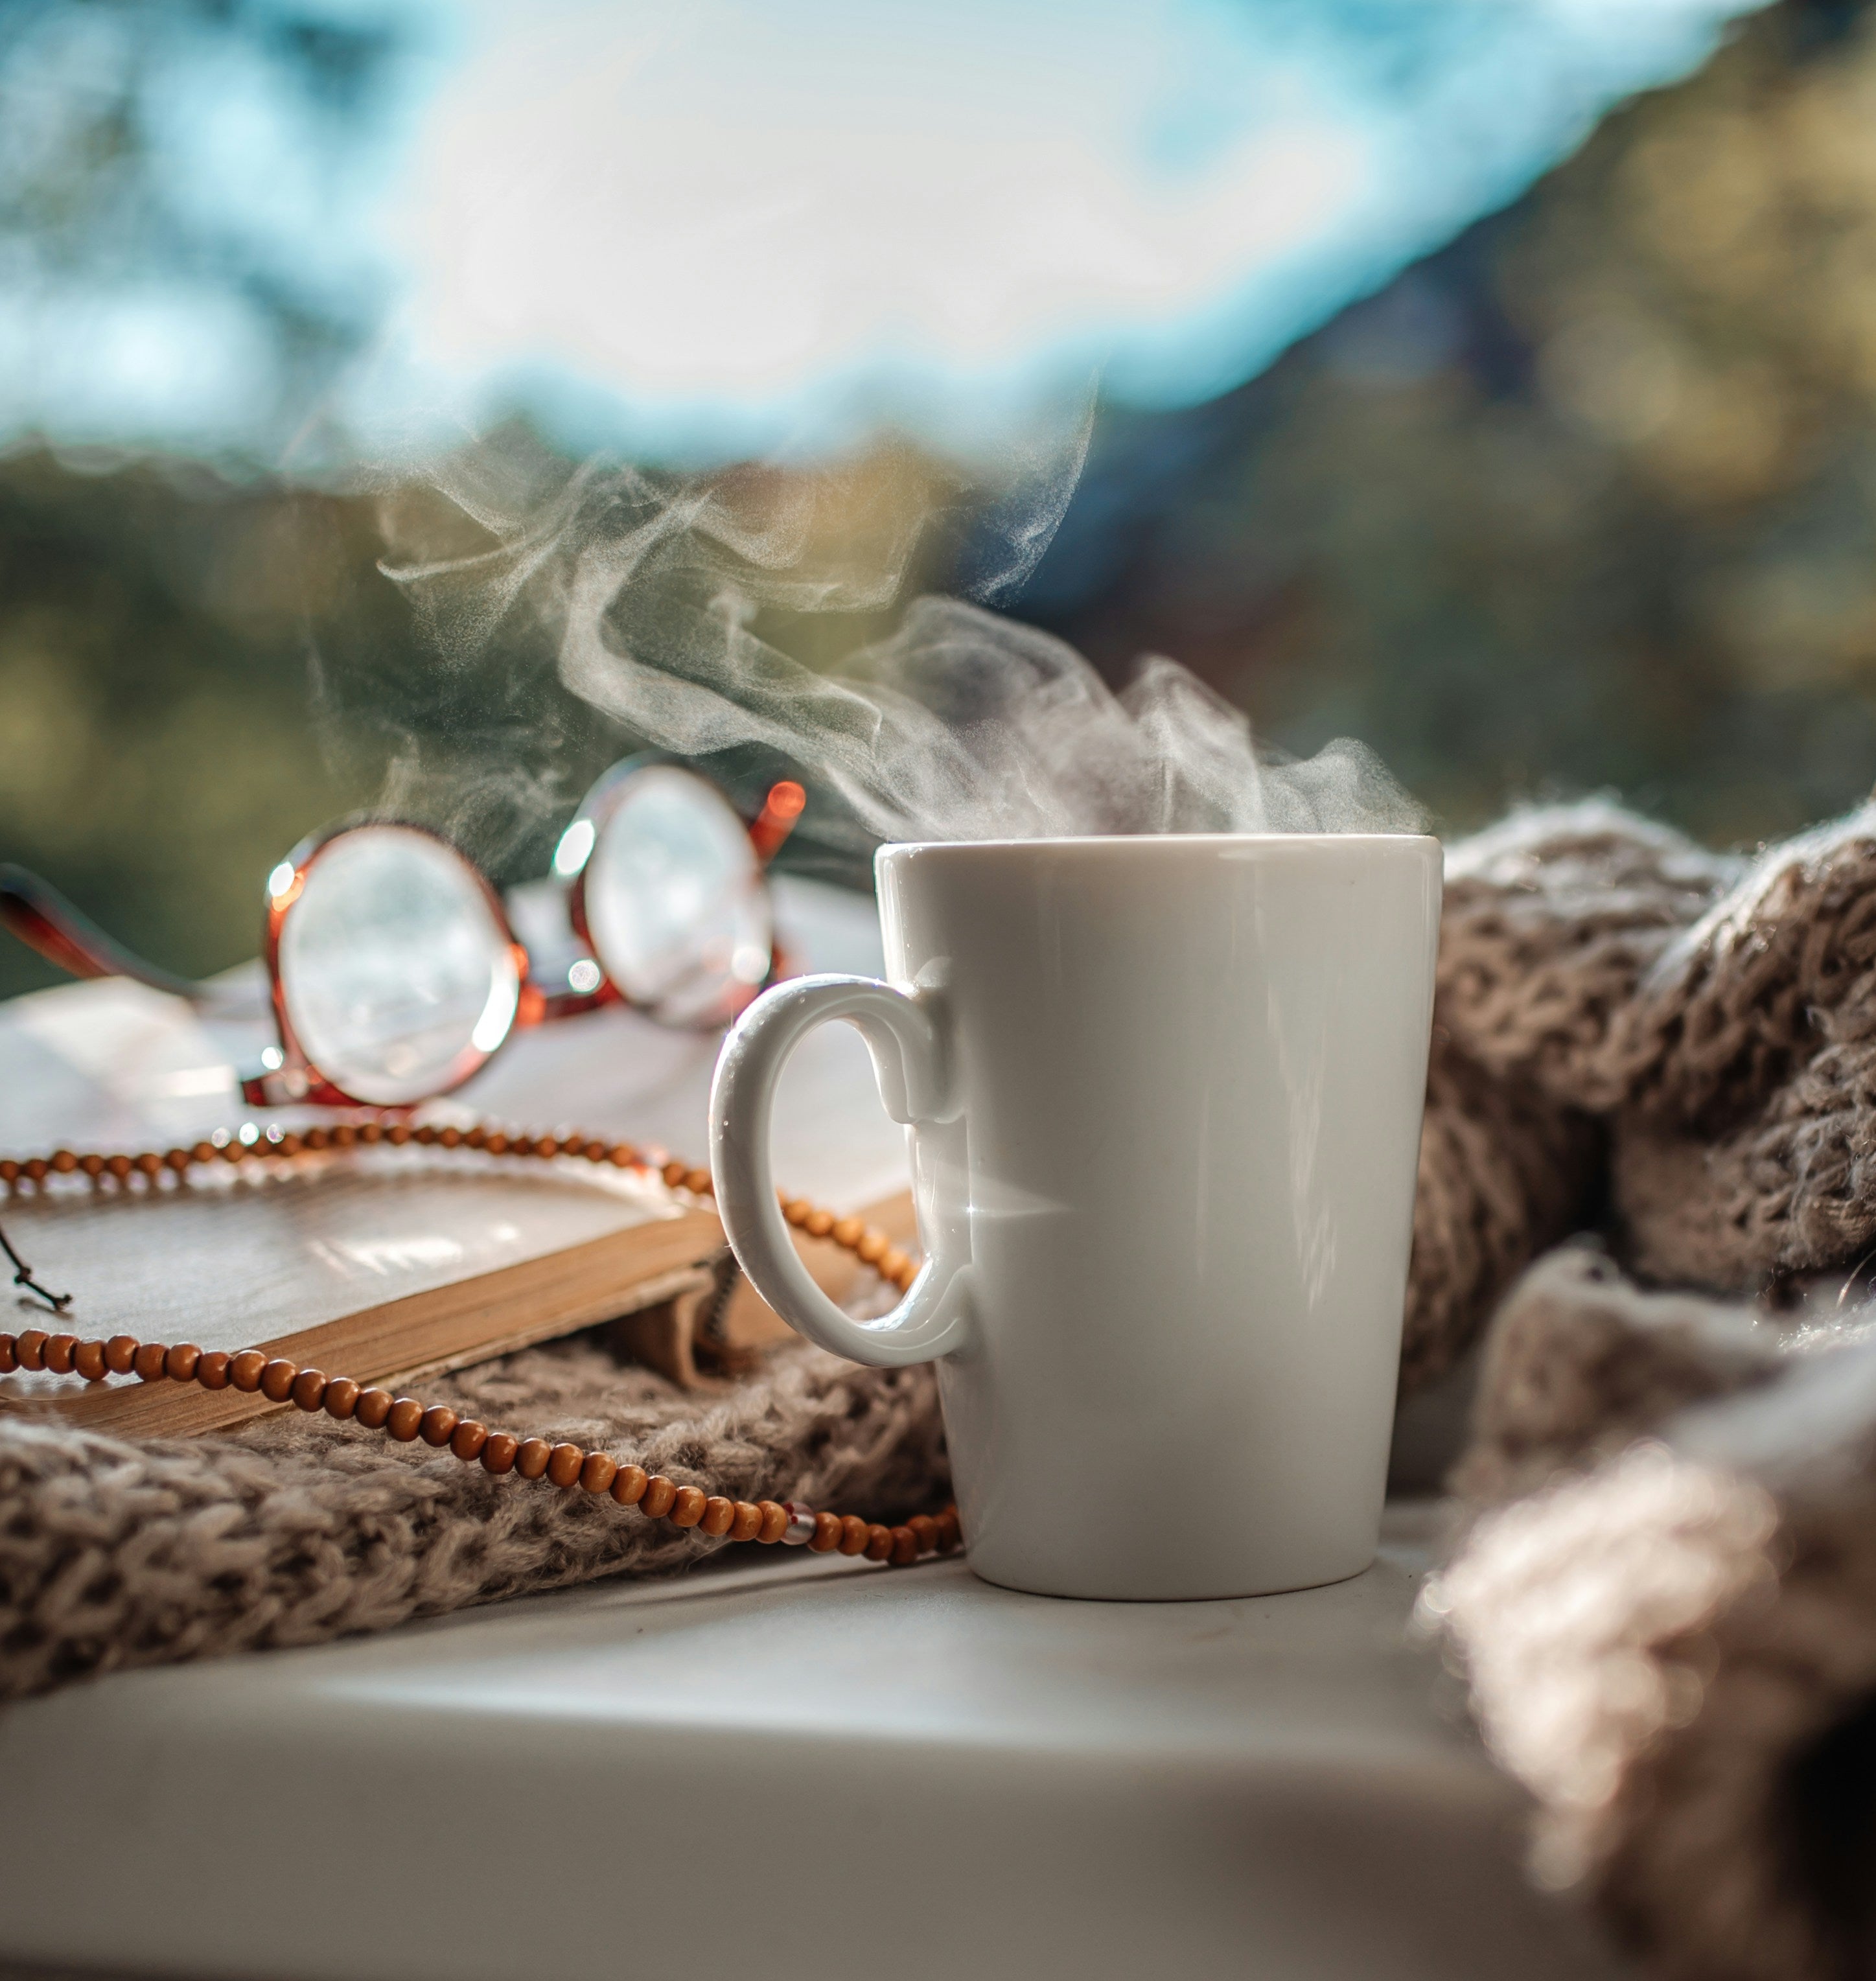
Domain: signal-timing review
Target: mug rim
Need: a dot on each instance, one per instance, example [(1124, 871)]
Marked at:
[(1196, 841)]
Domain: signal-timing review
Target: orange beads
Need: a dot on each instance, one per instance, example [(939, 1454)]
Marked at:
[(373, 1407), (403, 1418), (277, 1378), (565, 1465), (437, 1424)]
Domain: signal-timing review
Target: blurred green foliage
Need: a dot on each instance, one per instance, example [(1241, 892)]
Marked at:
[(1587, 500), (155, 755)]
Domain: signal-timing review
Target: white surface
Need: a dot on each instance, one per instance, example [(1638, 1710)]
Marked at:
[(1165, 1096), (802, 1767)]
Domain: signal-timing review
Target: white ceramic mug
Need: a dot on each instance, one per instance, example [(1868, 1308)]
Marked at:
[(1164, 1098)]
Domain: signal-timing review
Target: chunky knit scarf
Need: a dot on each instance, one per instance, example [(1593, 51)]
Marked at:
[(1666, 1600), (115, 1552)]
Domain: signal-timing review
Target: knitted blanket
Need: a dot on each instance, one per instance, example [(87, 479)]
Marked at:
[(116, 1552), (1673, 1642), (1666, 1605), (1665, 1597)]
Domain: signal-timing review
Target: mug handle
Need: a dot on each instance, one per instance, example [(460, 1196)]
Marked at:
[(904, 1034)]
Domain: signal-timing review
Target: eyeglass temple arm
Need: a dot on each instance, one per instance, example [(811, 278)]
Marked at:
[(45, 921)]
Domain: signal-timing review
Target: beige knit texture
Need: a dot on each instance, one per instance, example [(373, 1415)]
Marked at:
[(1671, 1638), (1666, 1603), (1553, 921), (1631, 1030), (115, 1554)]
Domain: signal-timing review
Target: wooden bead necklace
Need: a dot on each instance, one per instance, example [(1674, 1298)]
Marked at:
[(571, 1467)]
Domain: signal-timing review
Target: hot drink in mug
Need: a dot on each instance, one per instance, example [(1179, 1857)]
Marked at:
[(1164, 1097)]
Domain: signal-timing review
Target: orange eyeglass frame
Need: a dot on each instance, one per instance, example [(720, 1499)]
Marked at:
[(39, 916)]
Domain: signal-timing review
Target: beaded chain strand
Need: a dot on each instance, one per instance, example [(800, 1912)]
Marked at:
[(569, 1466)]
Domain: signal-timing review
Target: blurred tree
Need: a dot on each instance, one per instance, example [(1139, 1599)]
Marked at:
[(1588, 499), (155, 756), (148, 148)]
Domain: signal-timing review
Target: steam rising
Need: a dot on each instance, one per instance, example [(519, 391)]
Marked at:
[(962, 725)]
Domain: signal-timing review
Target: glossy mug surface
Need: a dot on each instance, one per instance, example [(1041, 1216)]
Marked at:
[(1164, 1100)]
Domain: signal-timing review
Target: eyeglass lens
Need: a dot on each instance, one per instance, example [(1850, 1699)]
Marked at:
[(675, 902), (397, 975)]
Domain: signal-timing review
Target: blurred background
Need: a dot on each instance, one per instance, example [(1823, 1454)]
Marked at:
[(1559, 478)]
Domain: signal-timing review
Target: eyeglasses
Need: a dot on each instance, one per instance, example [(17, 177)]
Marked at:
[(395, 970)]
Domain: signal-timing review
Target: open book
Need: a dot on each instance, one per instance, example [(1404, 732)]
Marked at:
[(392, 1264)]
